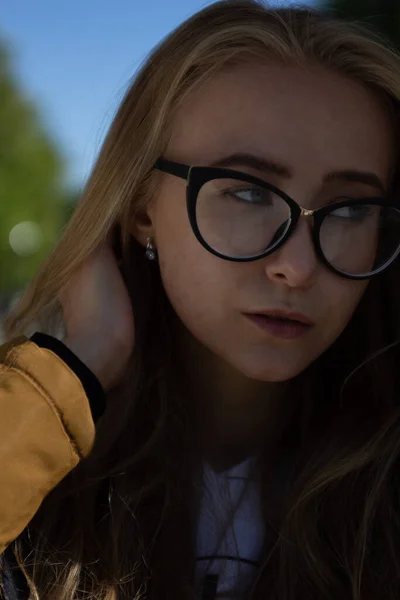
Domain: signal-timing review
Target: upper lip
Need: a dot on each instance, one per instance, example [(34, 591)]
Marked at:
[(284, 314)]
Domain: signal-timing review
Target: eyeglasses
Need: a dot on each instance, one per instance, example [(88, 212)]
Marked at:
[(241, 218)]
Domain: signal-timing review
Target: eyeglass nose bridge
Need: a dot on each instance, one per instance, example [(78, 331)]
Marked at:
[(305, 212)]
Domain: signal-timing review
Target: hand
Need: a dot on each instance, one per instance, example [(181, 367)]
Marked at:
[(98, 317)]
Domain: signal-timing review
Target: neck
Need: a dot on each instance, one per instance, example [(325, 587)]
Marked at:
[(239, 416)]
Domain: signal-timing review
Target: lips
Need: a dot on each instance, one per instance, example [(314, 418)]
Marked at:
[(286, 316), (281, 324)]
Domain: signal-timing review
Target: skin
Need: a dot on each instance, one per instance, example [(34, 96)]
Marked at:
[(313, 122)]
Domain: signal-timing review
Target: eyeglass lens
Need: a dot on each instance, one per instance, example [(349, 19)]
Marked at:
[(238, 219)]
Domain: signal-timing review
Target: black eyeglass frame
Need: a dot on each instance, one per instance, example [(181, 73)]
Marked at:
[(196, 177)]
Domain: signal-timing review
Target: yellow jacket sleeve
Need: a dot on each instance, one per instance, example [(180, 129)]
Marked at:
[(46, 427)]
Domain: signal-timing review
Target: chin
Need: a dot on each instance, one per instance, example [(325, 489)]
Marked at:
[(270, 370)]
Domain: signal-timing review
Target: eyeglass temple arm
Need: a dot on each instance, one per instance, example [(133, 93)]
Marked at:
[(173, 168)]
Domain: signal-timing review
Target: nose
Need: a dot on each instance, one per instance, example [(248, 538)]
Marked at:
[(295, 263)]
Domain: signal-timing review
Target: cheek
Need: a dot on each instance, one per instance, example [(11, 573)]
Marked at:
[(192, 277), (341, 298), (195, 288)]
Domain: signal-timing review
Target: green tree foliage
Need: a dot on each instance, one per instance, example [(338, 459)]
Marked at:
[(383, 15), (30, 185)]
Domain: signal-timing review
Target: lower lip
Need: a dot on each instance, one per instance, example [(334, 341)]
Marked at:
[(285, 329)]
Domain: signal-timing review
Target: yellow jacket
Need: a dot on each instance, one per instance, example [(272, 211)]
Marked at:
[(46, 426)]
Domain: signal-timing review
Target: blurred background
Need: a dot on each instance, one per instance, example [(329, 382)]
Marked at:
[(64, 67)]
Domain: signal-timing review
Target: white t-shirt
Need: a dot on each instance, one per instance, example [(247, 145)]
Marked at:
[(230, 534)]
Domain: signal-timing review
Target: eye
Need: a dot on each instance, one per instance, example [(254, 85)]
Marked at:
[(250, 195), (353, 212)]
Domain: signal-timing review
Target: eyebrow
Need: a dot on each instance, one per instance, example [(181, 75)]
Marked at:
[(365, 177), (268, 166), (254, 162)]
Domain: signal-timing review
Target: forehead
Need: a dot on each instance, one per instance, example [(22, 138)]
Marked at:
[(295, 115)]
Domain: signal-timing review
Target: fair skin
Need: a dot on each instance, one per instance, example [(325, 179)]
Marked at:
[(312, 123), (101, 332)]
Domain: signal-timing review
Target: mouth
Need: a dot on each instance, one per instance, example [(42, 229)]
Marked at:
[(281, 324)]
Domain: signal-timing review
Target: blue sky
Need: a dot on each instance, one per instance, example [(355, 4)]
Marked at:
[(74, 58)]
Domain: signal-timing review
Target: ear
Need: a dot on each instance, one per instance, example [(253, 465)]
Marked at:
[(142, 225)]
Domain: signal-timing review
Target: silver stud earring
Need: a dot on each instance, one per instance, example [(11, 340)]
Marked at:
[(151, 252)]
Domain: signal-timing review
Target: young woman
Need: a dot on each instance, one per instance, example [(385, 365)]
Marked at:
[(229, 294)]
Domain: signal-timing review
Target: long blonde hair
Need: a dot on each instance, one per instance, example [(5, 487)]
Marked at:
[(122, 525)]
